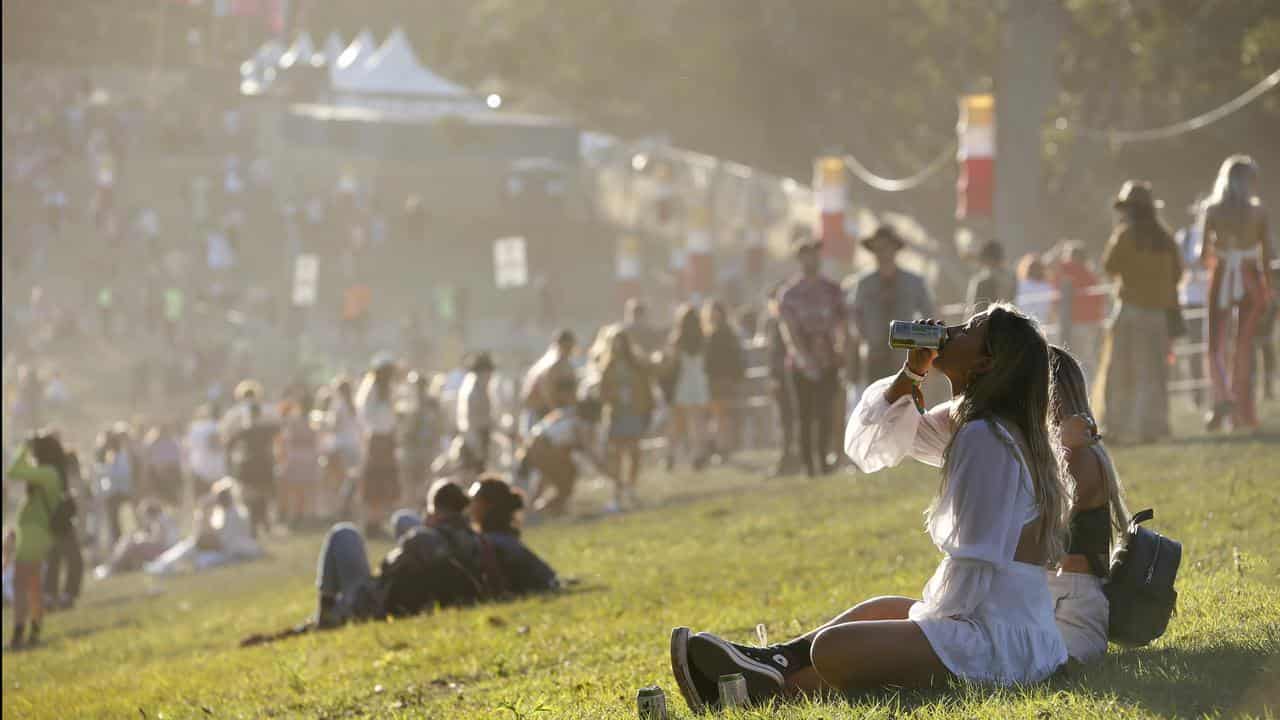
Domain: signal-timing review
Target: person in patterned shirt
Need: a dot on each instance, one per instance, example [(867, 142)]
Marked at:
[(813, 328)]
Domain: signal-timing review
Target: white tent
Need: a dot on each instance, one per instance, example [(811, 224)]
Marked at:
[(394, 70), (300, 52), (350, 63), (333, 47), (269, 54)]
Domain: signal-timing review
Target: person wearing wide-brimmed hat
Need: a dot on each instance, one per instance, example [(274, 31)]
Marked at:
[(1236, 249), (884, 294), (813, 323), (1144, 261)]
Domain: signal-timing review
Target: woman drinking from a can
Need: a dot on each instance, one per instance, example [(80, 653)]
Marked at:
[(999, 520)]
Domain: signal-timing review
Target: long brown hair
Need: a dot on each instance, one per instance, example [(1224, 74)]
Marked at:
[(687, 336), (1016, 392), (1150, 234), (1071, 397)]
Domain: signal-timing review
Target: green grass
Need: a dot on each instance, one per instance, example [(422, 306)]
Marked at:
[(721, 551)]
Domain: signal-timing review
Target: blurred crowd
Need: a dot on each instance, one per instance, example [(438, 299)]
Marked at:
[(201, 465)]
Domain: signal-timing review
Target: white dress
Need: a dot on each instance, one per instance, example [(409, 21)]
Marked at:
[(988, 617), (692, 387)]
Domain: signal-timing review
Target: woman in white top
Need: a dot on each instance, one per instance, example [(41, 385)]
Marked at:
[(688, 389), (379, 486), (986, 614), (343, 443), (222, 533), (205, 457)]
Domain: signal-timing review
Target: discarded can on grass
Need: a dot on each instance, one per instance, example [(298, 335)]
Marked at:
[(733, 690), (651, 703), (905, 335)]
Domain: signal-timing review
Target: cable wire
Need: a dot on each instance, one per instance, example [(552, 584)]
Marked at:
[(1186, 126), (910, 182)]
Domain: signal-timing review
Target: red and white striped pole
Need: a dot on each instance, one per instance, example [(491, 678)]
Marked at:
[(830, 189), (975, 189)]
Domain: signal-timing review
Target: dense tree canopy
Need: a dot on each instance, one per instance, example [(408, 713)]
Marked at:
[(774, 83)]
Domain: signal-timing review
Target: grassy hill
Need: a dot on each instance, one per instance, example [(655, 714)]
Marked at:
[(720, 551)]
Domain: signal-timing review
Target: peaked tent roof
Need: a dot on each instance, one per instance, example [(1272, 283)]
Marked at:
[(270, 52), (394, 70), (333, 47), (351, 61), (300, 51)]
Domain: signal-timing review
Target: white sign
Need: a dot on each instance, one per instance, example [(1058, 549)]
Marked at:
[(510, 263), (306, 280), (218, 252)]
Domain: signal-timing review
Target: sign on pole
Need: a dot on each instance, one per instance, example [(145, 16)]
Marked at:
[(306, 280), (510, 263)]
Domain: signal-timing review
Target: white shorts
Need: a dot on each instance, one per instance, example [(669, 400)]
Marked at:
[(1082, 612)]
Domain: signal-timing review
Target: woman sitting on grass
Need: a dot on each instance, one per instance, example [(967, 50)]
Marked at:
[(999, 519), (156, 532), (222, 534), (1098, 517)]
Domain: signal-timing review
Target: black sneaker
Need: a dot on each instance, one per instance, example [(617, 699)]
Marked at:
[(699, 691), (763, 668)]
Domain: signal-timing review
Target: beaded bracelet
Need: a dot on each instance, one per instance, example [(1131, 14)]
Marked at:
[(917, 395)]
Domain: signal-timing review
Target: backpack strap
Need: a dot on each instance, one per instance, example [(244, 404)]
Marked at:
[(1141, 516)]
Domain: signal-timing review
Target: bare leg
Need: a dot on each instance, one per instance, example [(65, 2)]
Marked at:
[(875, 610), (695, 434), (877, 653), (678, 433), (614, 460), (632, 451)]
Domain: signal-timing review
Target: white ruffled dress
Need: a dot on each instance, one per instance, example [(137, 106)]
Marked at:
[(988, 617)]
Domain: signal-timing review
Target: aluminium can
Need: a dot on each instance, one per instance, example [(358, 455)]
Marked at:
[(905, 335), (733, 690), (651, 703)]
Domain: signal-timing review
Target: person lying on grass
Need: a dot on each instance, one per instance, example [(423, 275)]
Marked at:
[(999, 520), (445, 562)]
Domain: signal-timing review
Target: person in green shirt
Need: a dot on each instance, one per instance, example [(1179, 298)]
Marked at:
[(40, 464)]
